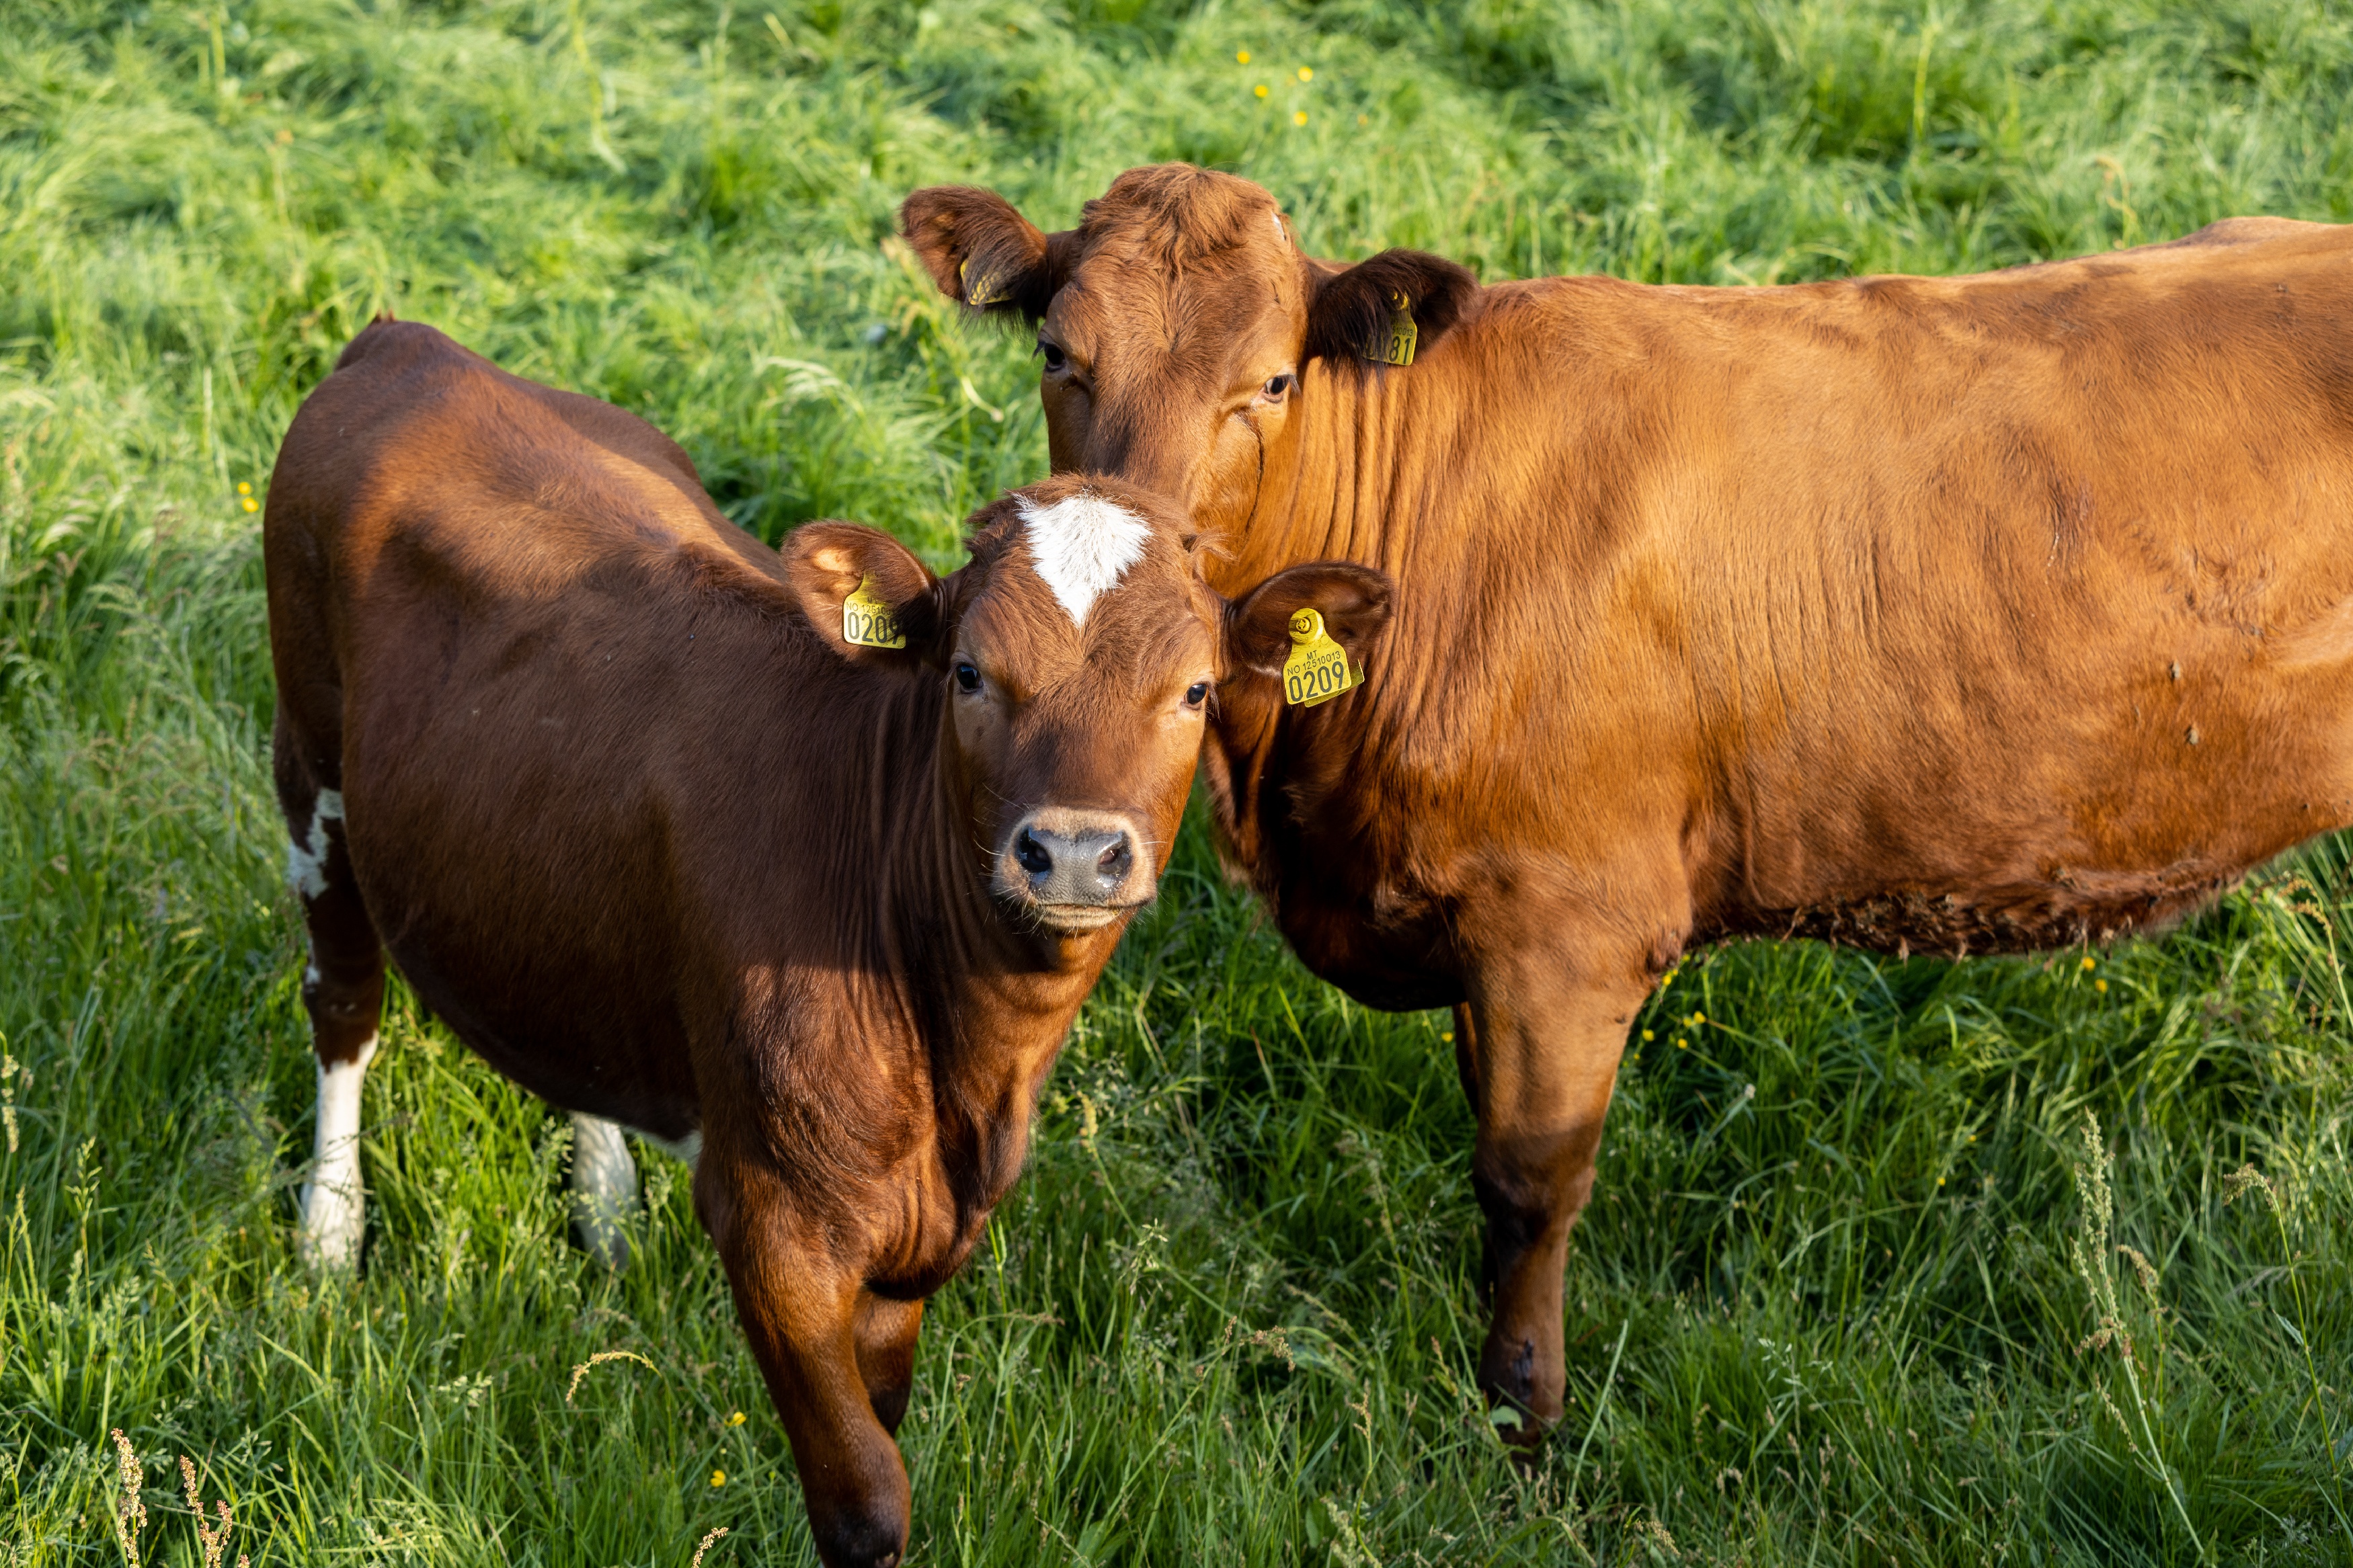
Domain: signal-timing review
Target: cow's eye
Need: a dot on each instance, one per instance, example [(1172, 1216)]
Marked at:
[(1197, 694), (1277, 388), (967, 677), (1056, 361)]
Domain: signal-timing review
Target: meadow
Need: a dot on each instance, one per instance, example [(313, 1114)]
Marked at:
[(1916, 1262)]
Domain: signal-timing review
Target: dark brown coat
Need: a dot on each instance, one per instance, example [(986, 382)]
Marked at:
[(599, 772), (1965, 615)]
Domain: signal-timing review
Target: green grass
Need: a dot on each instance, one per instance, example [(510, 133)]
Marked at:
[(1833, 1301)]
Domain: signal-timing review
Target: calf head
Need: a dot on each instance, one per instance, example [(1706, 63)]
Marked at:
[(1174, 321), (1079, 650)]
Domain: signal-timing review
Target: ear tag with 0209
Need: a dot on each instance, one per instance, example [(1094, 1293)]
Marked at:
[(1318, 669), (867, 622), (1395, 344)]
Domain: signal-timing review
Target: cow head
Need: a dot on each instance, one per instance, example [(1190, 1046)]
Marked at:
[(1079, 652), (1174, 323)]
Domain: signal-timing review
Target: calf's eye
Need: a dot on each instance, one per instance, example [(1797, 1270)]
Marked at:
[(1276, 387), (967, 677), (1053, 354), (1197, 694)]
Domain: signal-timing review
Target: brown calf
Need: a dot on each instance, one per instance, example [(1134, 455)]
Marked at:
[(1968, 614), (601, 774)]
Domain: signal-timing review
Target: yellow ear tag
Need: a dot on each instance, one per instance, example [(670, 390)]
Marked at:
[(867, 622), (1395, 345), (984, 293), (1318, 669)]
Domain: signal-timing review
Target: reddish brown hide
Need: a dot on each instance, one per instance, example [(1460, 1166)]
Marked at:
[(1963, 615), (600, 773)]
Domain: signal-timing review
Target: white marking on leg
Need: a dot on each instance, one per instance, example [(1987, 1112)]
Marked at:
[(306, 858), (335, 1205), (604, 1187), (1082, 547)]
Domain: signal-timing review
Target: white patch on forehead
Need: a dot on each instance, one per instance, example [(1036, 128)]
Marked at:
[(1082, 547)]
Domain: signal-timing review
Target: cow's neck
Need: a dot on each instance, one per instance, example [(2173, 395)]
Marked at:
[(1336, 484), (988, 1004)]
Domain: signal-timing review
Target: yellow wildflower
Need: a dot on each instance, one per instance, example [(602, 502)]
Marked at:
[(1241, 57), (1308, 73), (1260, 90), (718, 1478)]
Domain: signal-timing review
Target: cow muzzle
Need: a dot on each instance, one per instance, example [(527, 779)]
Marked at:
[(1075, 871)]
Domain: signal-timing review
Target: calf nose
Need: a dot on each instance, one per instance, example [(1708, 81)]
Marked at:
[(1076, 858), (1081, 867)]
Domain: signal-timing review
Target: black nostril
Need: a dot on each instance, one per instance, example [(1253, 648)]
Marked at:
[(1113, 862), (1034, 857)]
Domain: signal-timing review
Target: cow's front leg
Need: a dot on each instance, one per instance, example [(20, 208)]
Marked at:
[(1539, 1051), (801, 1307), (887, 1331)]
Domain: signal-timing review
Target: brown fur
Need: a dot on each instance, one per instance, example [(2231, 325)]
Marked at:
[(634, 820), (1962, 615)]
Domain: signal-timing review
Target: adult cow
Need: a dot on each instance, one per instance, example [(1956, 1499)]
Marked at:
[(809, 861), (1965, 615)]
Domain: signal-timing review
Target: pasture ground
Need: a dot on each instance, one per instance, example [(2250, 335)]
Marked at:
[(1851, 1292)]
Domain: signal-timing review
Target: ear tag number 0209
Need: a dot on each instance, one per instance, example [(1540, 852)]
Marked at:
[(867, 622), (1318, 669)]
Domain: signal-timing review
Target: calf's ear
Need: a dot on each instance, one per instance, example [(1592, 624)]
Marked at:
[(982, 253), (1353, 600), (1387, 309), (862, 590)]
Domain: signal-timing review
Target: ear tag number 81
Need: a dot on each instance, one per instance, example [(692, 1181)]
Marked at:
[(867, 622), (1395, 345), (1318, 669)]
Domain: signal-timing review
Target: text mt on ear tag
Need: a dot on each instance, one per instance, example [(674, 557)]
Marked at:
[(1396, 344), (982, 292), (1318, 669), (867, 622)]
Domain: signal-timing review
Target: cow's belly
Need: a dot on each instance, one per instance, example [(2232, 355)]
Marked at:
[(525, 911), (2059, 833)]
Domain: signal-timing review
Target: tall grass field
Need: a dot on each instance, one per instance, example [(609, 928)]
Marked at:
[(1892, 1263)]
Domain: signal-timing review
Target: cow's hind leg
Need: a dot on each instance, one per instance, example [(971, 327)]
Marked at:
[(342, 990), (604, 1187)]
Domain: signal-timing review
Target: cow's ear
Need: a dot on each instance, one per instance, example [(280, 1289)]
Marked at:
[(982, 253), (865, 592), (1353, 600), (1388, 308)]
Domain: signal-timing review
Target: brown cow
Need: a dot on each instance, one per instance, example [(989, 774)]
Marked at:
[(604, 776), (1965, 615)]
